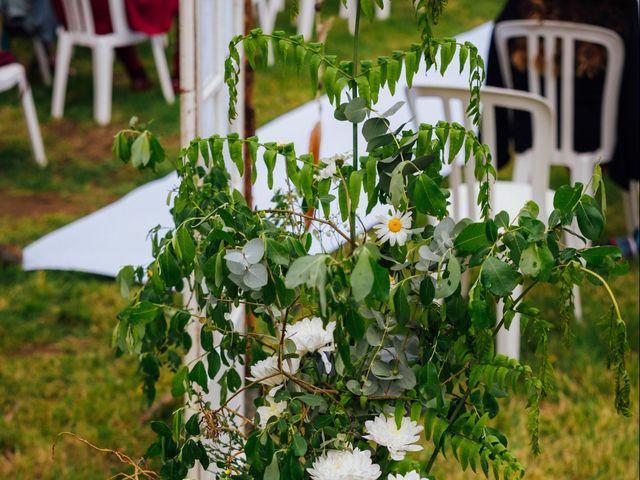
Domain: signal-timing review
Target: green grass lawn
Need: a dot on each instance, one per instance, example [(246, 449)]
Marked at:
[(57, 371)]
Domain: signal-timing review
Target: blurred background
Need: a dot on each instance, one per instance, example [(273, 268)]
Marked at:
[(57, 370)]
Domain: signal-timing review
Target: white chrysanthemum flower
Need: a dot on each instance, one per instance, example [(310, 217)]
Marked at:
[(394, 227), (271, 409), (344, 465), (267, 372), (384, 431), (310, 335), (412, 475)]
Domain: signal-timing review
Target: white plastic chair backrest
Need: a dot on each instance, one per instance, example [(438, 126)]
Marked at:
[(454, 101), (562, 38), (79, 16)]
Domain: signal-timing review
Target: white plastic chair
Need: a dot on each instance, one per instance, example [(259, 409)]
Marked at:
[(308, 8), (556, 39), (505, 195), (12, 75), (551, 39), (80, 31)]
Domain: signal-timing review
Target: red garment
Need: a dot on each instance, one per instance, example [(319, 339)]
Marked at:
[(147, 16), (6, 57), (151, 16)]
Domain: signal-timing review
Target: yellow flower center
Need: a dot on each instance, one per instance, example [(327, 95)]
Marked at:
[(395, 225)]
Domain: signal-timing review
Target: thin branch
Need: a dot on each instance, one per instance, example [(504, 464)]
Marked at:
[(309, 217)]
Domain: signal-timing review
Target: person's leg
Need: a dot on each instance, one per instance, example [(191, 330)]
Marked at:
[(131, 61)]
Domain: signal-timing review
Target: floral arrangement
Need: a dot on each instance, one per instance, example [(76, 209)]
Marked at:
[(373, 360)]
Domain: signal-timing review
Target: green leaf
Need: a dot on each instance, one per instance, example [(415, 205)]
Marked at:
[(214, 363), (567, 197), (192, 426), (312, 271), (590, 219), (269, 158), (277, 252), (299, 445), (234, 144), (375, 127), (427, 291), (272, 472), (472, 238), (401, 305), (185, 247), (141, 150), (447, 51), (355, 186), (312, 400), (356, 110), (537, 262), (125, 280), (381, 281), (448, 282), (178, 383), (161, 429), (362, 277), (499, 277), (428, 197), (198, 374)]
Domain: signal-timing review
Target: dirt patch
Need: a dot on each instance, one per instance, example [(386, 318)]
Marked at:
[(93, 141), (70, 345), (32, 205)]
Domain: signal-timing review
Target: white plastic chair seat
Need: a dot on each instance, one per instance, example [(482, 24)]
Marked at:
[(12, 75), (508, 196)]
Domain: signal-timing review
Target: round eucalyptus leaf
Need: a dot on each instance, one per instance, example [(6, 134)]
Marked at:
[(254, 250)]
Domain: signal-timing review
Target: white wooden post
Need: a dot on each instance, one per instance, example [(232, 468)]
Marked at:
[(206, 28)]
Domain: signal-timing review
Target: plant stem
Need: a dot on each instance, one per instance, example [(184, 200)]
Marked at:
[(354, 94), (454, 416), (607, 287)]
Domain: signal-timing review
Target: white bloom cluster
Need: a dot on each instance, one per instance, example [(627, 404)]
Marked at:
[(412, 475), (271, 409), (344, 465), (310, 336), (384, 431)]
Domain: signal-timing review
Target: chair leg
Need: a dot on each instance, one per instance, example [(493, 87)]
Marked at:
[(162, 68), (306, 18), (631, 212), (43, 61), (508, 341), (33, 126), (102, 82), (63, 60)]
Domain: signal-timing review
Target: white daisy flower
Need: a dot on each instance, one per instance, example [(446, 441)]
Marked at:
[(272, 409), (384, 431), (344, 465), (394, 228), (310, 335), (266, 371), (412, 475)]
